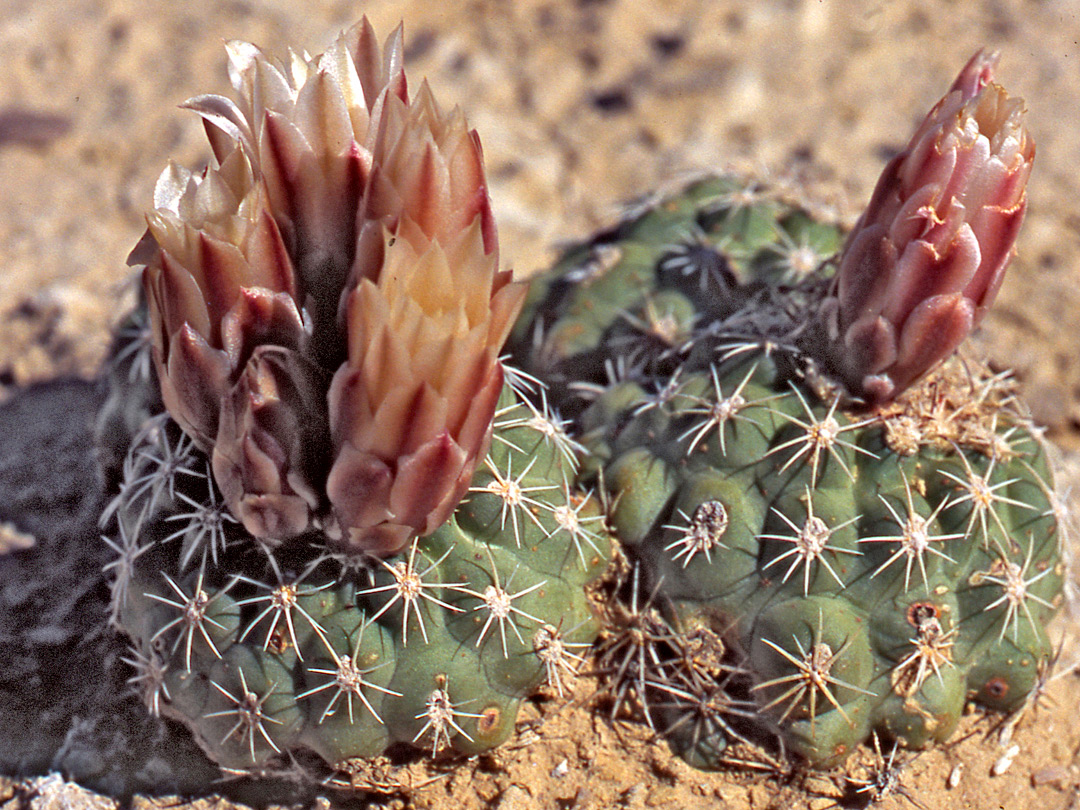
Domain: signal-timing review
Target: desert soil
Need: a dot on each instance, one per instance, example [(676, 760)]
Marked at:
[(582, 105)]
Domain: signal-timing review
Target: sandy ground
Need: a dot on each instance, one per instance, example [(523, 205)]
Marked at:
[(581, 106)]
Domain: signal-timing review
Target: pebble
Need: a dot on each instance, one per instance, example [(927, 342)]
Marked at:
[(1005, 761)]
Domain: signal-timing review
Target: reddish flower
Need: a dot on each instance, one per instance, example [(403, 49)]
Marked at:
[(927, 257)]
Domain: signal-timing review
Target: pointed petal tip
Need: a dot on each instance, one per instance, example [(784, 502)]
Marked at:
[(977, 73)]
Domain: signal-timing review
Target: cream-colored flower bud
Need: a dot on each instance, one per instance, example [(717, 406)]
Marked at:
[(215, 239), (411, 409)]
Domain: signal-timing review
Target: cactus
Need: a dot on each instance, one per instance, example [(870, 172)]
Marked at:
[(265, 651), (634, 298), (343, 526), (339, 527), (821, 548)]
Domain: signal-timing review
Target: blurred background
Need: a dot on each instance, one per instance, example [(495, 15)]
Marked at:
[(582, 105)]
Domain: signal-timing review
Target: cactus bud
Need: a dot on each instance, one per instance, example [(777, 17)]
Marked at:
[(271, 449), (213, 238), (927, 257), (325, 297), (411, 408)]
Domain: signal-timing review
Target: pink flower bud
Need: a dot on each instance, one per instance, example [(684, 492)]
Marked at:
[(269, 459), (925, 260)]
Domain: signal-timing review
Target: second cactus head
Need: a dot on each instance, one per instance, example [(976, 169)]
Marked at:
[(832, 531)]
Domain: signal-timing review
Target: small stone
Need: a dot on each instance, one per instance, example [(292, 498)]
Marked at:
[(11, 539), (515, 798), (955, 775), (53, 793), (1005, 761)]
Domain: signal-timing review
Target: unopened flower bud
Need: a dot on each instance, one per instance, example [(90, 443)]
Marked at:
[(411, 409), (269, 459), (924, 262)]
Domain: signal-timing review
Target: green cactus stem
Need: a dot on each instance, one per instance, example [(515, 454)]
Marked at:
[(859, 570)]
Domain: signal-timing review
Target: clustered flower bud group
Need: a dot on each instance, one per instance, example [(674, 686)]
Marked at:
[(924, 262), (326, 304), (327, 308)]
